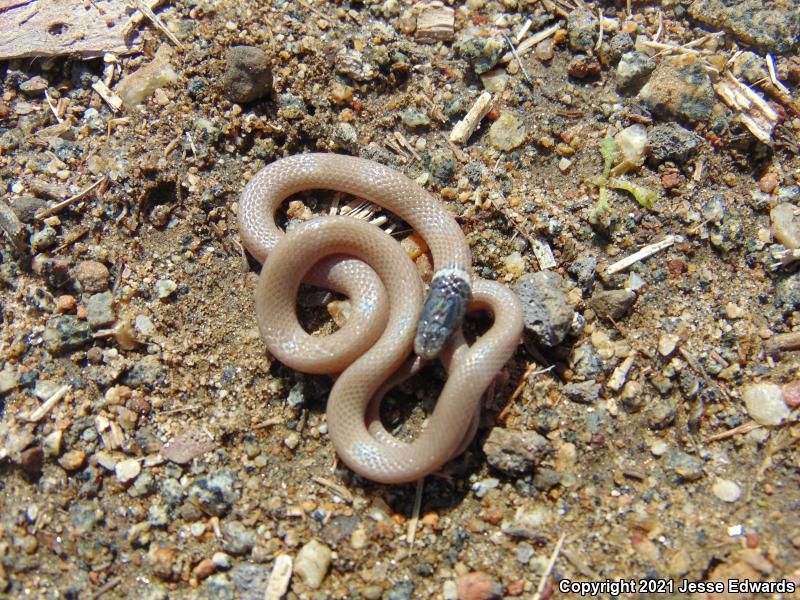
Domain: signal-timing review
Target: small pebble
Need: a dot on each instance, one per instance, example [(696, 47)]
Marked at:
[(165, 288), (791, 394), (764, 403), (478, 586), (248, 74), (91, 276), (768, 183), (127, 470), (312, 563), (72, 460), (726, 490)]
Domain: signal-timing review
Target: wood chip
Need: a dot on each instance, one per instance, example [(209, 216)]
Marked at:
[(64, 27), (114, 101), (783, 342), (754, 111), (435, 23), (47, 405), (648, 250), (467, 126), (620, 374), (544, 254)]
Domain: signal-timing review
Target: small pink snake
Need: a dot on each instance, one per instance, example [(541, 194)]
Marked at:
[(370, 353)]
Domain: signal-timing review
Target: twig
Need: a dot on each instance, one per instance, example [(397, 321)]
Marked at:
[(602, 30), (550, 565), (110, 585), (783, 342), (175, 411), (148, 12), (525, 27), (774, 77), (52, 108), (414, 520), (47, 405), (71, 200), (519, 60), (743, 428), (529, 43), (114, 101), (646, 251), (467, 126)]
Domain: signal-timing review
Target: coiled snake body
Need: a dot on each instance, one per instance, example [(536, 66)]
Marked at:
[(369, 353)]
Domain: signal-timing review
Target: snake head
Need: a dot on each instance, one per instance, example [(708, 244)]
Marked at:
[(443, 311)]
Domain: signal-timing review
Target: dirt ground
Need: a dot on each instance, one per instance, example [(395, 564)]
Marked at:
[(149, 446)]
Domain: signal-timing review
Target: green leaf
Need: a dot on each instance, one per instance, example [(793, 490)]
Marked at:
[(608, 150), (644, 196)]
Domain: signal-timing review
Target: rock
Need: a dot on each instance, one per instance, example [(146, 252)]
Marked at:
[(352, 64), (402, 590), (219, 587), (631, 146), (221, 561), (442, 165), (143, 485), (726, 490), (52, 443), (183, 449), (514, 452), (34, 86), (146, 372), (670, 141), (478, 586), (767, 26), (161, 560), (482, 487), (239, 539), (250, 581), (507, 132), (750, 67), (43, 239), (65, 333), (9, 378), (633, 70), (582, 30), (26, 207), (171, 491), (764, 403), (312, 563), (215, 494), (291, 107), (127, 470), (344, 137), (339, 529), (248, 74), (585, 392), (482, 53), (545, 310), (413, 118), (661, 414), (142, 83), (585, 362), (583, 269), (31, 460), (100, 310), (613, 304), (91, 276), (203, 569), (165, 288), (667, 343), (72, 460), (612, 50), (84, 515), (791, 393), (685, 466), (785, 225), (680, 87), (584, 67)]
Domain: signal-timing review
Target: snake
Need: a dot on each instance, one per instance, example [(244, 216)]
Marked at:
[(393, 328)]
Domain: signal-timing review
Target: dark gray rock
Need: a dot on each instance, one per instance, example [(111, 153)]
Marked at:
[(249, 580), (583, 269), (769, 26), (680, 88), (482, 53), (402, 590), (633, 70), (584, 392), (26, 207), (612, 50), (248, 74), (291, 107), (585, 362), (613, 304), (171, 491), (787, 294), (84, 515), (239, 539), (670, 141), (215, 494), (442, 165), (515, 452), (545, 310), (661, 414), (582, 29), (100, 310), (685, 466), (64, 333), (148, 371)]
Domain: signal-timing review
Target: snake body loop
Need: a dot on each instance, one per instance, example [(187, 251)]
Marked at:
[(372, 348)]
